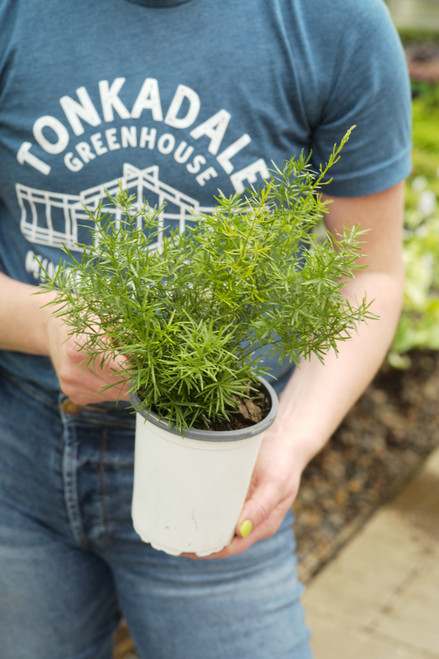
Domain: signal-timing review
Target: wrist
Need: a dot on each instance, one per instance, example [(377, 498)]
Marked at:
[(24, 318), (47, 323)]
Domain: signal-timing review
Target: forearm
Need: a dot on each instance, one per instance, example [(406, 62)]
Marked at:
[(27, 326), (23, 321), (318, 395)]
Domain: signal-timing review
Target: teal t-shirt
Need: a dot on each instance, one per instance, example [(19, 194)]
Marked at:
[(180, 99)]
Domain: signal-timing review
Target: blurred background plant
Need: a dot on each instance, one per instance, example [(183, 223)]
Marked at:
[(419, 323)]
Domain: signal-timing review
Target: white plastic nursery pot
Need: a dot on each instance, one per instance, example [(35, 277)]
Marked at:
[(189, 489)]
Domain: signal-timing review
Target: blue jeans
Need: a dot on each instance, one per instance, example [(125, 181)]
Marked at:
[(71, 564)]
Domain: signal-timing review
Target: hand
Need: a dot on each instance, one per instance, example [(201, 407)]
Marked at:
[(273, 489), (80, 383)]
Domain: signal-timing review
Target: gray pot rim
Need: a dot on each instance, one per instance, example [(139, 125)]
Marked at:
[(214, 435)]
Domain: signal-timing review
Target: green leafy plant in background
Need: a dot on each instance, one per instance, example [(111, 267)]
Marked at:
[(189, 314), (419, 322)]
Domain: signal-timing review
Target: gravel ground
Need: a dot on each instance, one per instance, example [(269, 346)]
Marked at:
[(378, 447)]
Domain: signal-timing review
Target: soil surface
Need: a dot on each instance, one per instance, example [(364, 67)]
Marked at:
[(378, 447)]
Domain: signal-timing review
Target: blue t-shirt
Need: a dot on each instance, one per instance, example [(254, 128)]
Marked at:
[(181, 99)]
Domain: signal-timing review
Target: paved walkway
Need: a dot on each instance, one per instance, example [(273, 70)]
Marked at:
[(379, 598)]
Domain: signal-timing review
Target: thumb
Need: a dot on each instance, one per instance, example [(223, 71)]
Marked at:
[(257, 509)]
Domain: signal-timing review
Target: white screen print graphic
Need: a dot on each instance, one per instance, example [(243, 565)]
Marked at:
[(54, 219)]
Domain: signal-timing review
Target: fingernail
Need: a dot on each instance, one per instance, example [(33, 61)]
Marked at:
[(245, 528)]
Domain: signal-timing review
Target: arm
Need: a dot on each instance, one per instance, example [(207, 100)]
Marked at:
[(319, 396), (22, 321), (27, 326)]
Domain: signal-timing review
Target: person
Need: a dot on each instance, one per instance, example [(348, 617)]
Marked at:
[(178, 99)]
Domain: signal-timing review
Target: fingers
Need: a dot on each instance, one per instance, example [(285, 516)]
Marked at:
[(261, 517), (239, 544), (82, 381), (259, 507), (274, 487), (89, 385)]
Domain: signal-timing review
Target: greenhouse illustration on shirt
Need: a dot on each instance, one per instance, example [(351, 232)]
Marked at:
[(54, 219)]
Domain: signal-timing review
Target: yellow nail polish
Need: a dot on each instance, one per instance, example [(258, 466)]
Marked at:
[(245, 528)]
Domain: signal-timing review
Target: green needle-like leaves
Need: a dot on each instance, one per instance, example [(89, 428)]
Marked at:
[(190, 314)]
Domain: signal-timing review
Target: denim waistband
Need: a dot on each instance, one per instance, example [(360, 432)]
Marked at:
[(44, 396), (105, 412)]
